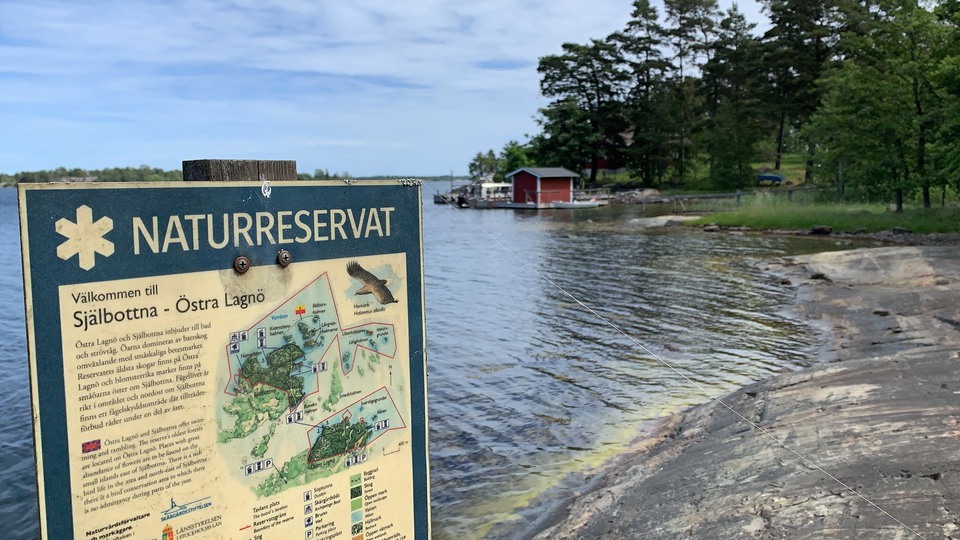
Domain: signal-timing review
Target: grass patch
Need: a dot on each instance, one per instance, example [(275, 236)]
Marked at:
[(793, 167), (764, 213)]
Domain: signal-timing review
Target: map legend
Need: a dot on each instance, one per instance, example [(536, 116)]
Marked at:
[(356, 507)]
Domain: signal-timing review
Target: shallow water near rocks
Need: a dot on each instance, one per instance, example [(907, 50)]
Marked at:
[(528, 387)]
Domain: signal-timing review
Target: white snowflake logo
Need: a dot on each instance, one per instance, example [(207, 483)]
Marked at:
[(85, 237)]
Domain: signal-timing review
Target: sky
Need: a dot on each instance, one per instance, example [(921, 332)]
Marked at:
[(370, 87)]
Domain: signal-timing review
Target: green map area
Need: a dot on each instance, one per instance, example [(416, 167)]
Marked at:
[(338, 439), (278, 371), (309, 388), (251, 409)]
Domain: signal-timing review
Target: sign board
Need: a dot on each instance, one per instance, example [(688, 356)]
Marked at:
[(188, 383)]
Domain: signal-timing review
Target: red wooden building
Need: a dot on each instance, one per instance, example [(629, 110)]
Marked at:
[(542, 186)]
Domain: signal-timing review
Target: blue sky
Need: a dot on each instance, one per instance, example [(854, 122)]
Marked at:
[(370, 87)]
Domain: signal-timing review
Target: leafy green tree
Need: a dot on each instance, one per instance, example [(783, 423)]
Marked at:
[(800, 46), (915, 42), (483, 164), (689, 31), (899, 57), (641, 46), (861, 132), (588, 78), (731, 81), (513, 156), (565, 136), (945, 151)]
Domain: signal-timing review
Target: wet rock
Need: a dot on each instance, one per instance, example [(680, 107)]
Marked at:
[(821, 230), (712, 227)]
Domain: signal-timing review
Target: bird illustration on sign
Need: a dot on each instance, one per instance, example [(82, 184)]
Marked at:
[(371, 284)]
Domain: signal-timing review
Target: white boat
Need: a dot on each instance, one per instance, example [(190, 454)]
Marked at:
[(576, 204), (488, 194)]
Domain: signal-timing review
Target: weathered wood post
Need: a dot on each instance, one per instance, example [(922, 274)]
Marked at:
[(738, 198), (238, 170)]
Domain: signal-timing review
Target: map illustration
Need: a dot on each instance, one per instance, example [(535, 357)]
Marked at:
[(315, 386)]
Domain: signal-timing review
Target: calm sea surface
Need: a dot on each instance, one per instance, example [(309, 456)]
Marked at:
[(526, 387)]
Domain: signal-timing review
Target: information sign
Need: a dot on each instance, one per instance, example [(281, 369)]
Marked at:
[(227, 360)]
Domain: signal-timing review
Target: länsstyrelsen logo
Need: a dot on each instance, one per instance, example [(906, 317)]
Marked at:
[(85, 238)]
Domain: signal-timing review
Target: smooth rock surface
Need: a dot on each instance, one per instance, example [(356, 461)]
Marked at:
[(866, 445)]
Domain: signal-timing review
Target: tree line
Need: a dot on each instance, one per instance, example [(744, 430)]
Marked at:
[(868, 91), (143, 173)]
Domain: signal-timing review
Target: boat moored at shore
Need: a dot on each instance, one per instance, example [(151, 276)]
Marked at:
[(593, 203)]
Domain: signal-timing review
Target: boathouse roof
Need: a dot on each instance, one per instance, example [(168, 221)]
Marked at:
[(546, 172)]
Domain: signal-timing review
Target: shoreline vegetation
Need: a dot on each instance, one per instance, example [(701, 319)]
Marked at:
[(849, 222), (766, 212)]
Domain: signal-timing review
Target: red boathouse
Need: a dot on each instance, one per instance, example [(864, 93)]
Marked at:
[(542, 186)]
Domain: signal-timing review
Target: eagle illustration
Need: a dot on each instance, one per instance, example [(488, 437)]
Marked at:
[(371, 283)]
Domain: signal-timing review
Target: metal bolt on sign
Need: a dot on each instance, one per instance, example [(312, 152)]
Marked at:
[(241, 264)]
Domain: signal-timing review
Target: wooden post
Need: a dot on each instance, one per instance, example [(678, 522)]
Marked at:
[(238, 170), (789, 194), (738, 198)]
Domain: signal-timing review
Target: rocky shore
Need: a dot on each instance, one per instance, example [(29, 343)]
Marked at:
[(865, 445)]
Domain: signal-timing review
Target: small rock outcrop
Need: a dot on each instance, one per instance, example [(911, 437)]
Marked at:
[(641, 196)]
